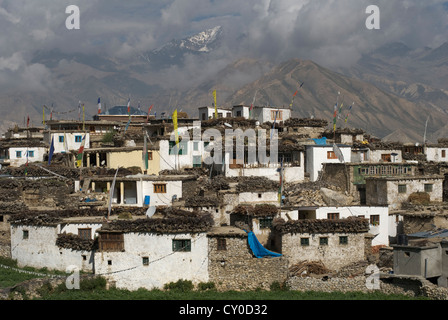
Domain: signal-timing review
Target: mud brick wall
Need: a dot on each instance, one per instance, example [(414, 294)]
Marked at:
[(237, 269), (5, 236)]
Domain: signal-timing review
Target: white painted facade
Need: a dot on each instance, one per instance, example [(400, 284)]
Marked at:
[(377, 155), (191, 155), (241, 111), (393, 191), (381, 230), (436, 154), (254, 198), (65, 142), (291, 173), (317, 155), (133, 191), (206, 113), (164, 265), (39, 248), (269, 114), (21, 155)]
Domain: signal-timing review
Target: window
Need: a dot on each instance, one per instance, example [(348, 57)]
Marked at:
[(31, 154), (111, 241), (238, 113), (331, 155), (196, 146), (401, 188), (197, 162), (149, 155), (160, 188), (221, 244), (265, 223), (18, 154), (61, 139), (85, 233), (323, 241), (180, 149), (84, 257), (109, 262), (181, 245), (375, 219), (276, 114), (145, 261), (25, 234), (78, 138), (428, 187), (333, 216), (343, 240), (443, 153), (304, 241), (386, 157)]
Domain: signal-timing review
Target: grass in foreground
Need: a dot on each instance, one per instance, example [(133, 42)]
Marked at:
[(95, 289)]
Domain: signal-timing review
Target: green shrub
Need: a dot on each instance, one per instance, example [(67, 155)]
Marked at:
[(204, 286), (179, 285), (277, 286)]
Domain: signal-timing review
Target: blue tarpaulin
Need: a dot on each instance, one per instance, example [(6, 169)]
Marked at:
[(322, 141), (258, 250)]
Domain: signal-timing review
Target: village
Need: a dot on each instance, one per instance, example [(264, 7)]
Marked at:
[(139, 200)]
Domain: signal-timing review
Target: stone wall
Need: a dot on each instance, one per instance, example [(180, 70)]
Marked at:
[(408, 286), (237, 269), (333, 255)]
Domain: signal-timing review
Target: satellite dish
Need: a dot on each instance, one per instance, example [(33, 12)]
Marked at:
[(150, 212), (228, 125)]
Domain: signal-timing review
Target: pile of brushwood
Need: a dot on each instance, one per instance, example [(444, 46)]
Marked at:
[(352, 225), (170, 221), (259, 210), (74, 242), (306, 268)]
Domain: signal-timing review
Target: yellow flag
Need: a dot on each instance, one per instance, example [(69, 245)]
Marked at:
[(216, 106), (175, 126)]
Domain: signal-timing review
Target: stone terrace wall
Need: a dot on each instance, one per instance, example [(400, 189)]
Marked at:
[(237, 269)]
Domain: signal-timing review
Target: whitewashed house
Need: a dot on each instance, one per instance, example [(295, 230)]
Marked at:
[(65, 142), (378, 217), (436, 152), (188, 154), (381, 152), (39, 244), (319, 154), (262, 113), (393, 191), (137, 259), (206, 113), (141, 190)]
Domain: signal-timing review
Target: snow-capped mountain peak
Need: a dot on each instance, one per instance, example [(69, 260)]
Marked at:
[(173, 51)]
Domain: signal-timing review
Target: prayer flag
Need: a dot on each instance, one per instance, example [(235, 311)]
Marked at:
[(81, 152), (175, 127), (99, 105), (50, 155), (216, 106)]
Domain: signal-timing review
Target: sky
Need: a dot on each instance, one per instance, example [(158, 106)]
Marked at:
[(331, 32)]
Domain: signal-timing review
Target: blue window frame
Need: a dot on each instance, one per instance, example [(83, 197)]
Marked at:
[(18, 154), (61, 138), (78, 138)]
